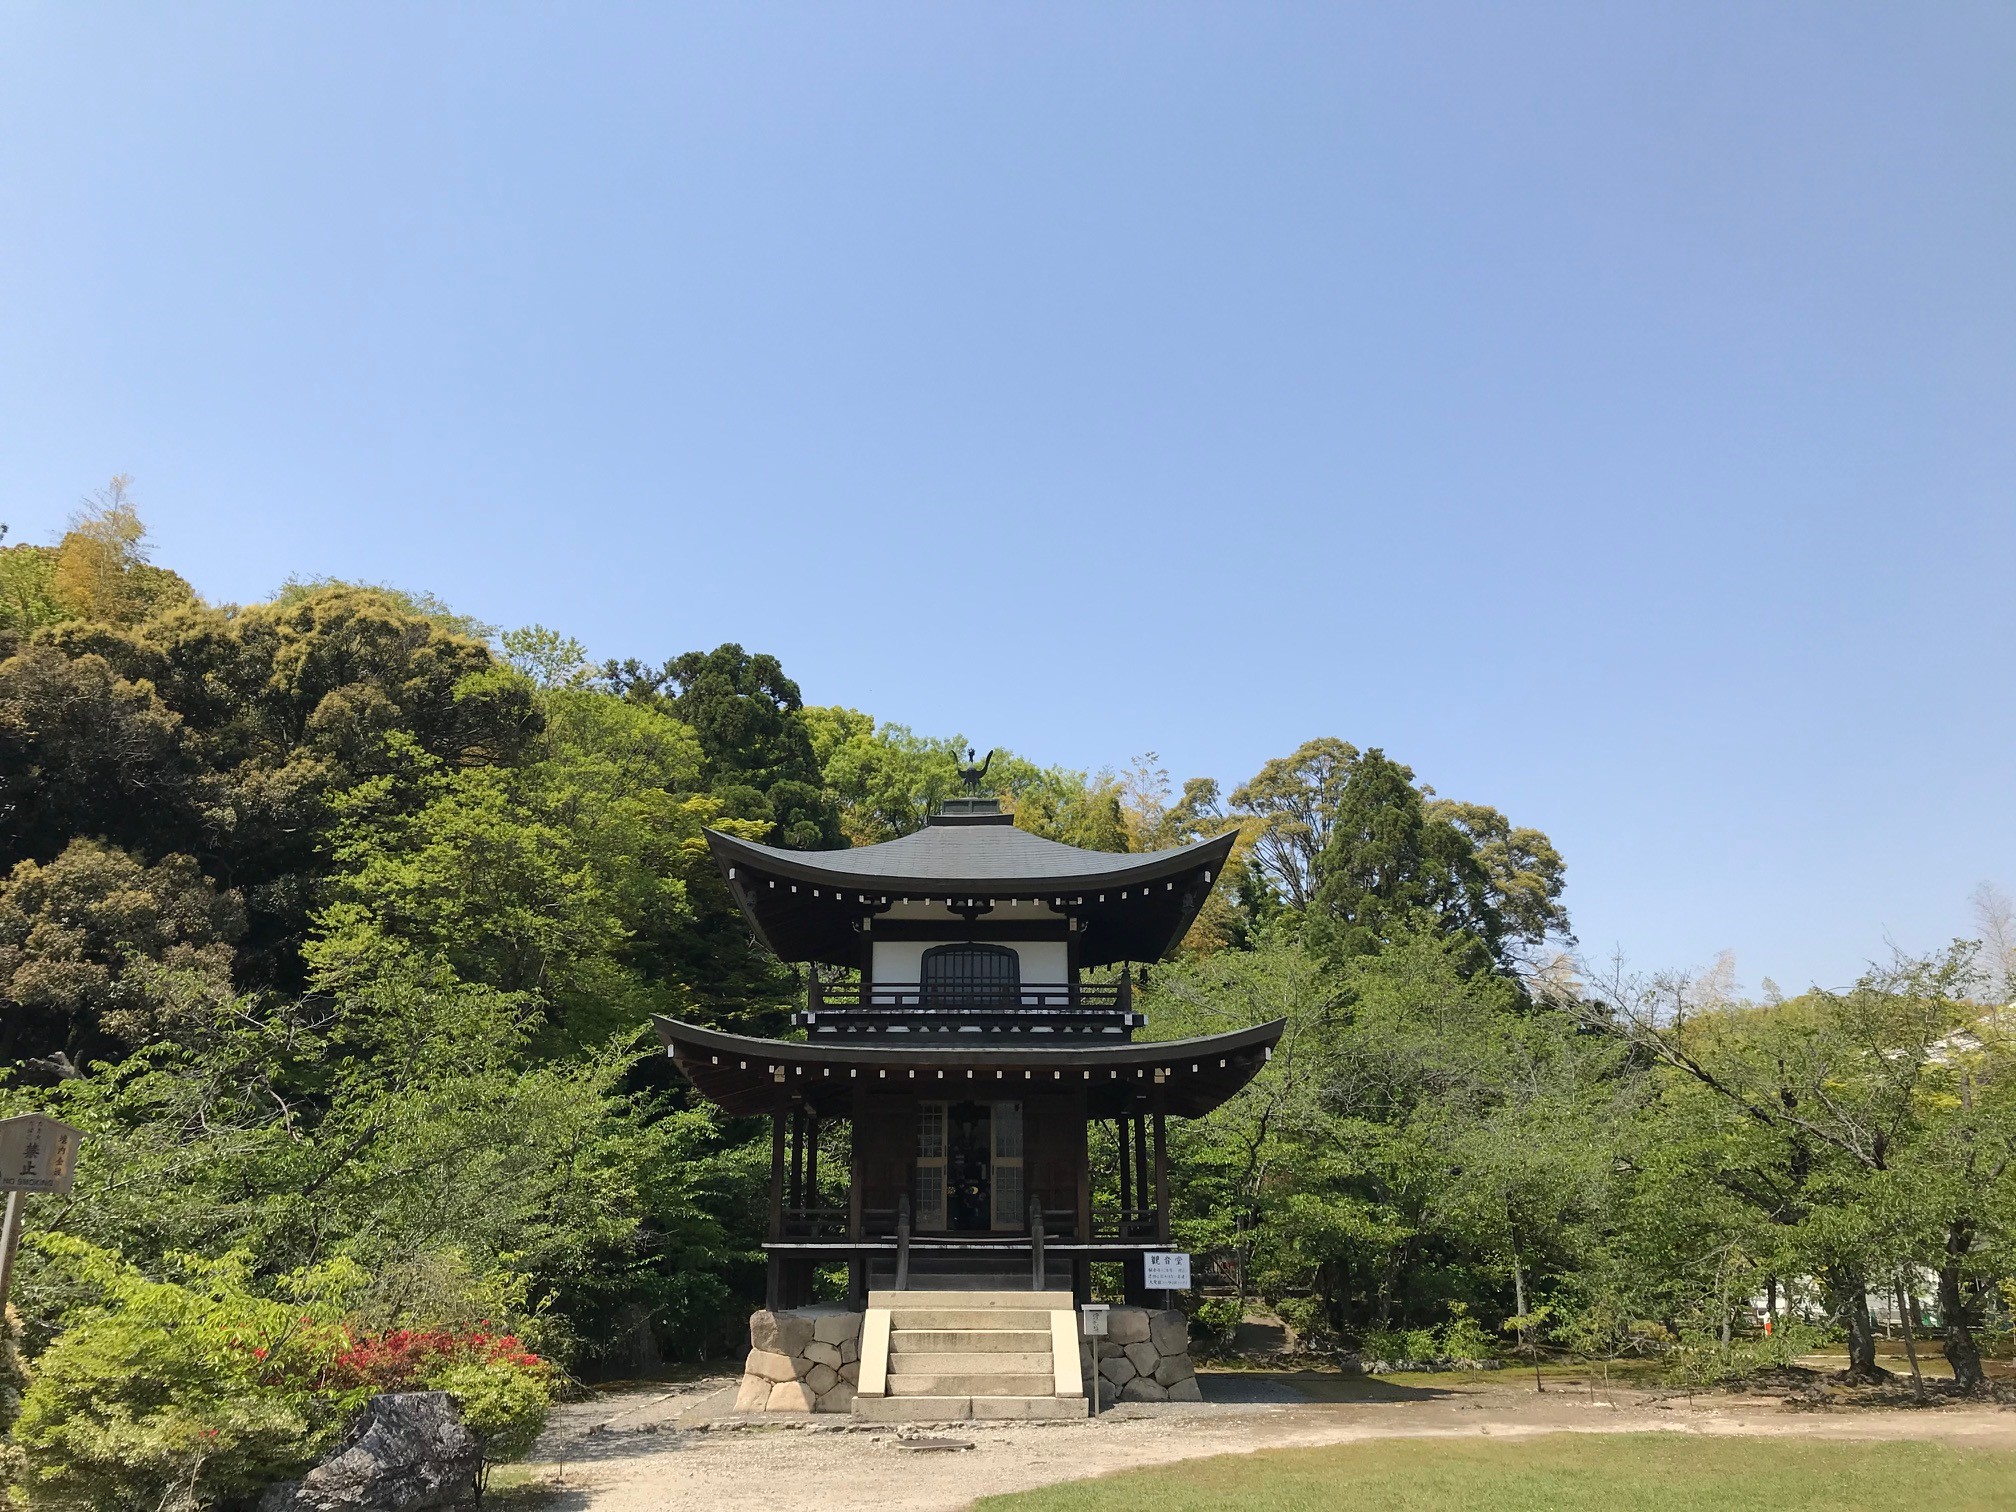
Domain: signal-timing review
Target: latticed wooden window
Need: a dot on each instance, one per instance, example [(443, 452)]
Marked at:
[(1006, 1131), (931, 1165), (971, 974)]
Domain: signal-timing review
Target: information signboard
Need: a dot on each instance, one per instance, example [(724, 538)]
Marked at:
[(1096, 1318), (37, 1154), (1162, 1270)]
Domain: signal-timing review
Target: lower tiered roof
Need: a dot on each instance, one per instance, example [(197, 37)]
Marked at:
[(745, 1075)]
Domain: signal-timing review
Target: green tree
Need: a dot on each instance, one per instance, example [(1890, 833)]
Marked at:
[(1396, 862), (1293, 801), (99, 950), (1889, 1105), (756, 748)]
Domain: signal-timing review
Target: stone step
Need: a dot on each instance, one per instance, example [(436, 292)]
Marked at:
[(970, 1340), (917, 1298), (939, 1319), (1028, 1408), (937, 1362), (987, 1383), (915, 1409)]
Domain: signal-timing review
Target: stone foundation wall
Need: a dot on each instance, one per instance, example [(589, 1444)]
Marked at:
[(1145, 1357), (805, 1360)]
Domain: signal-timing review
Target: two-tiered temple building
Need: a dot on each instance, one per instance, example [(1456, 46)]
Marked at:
[(969, 1056)]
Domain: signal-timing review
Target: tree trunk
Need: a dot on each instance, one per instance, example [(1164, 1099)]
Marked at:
[(1956, 1311), (1910, 1340), (1851, 1296)]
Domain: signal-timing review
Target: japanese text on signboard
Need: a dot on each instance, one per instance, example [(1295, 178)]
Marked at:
[(37, 1154)]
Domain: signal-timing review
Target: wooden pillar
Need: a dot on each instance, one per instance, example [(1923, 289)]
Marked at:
[(1141, 1187), (812, 1159), (1081, 1268), (1124, 1146), (857, 1264), (797, 1193), (777, 1174), (773, 1290), (1161, 1173)]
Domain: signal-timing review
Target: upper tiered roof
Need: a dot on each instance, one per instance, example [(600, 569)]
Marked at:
[(970, 857)]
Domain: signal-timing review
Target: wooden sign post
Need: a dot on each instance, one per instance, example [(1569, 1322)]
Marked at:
[(1097, 1315), (37, 1154)]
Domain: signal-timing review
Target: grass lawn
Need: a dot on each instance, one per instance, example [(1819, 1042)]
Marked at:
[(1638, 1472)]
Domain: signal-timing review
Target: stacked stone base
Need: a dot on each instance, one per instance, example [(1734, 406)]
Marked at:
[(805, 1360), (809, 1360), (1145, 1357)]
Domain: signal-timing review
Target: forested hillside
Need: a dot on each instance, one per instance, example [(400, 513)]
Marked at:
[(337, 920)]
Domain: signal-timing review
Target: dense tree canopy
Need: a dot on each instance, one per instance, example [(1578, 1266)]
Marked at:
[(338, 920)]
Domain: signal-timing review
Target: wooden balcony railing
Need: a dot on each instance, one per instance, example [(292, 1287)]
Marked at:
[(1034, 997)]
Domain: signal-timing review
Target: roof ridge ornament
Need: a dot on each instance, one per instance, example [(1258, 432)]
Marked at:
[(971, 776)]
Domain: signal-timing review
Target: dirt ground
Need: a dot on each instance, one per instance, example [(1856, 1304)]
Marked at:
[(671, 1450)]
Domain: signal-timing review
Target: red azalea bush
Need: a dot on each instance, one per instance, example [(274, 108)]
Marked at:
[(407, 1357), (502, 1388)]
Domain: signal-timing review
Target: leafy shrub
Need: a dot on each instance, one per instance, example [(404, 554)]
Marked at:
[(13, 1381), (1217, 1316), (168, 1396), (501, 1387), (1383, 1344), (165, 1395), (1702, 1359), (1464, 1338)]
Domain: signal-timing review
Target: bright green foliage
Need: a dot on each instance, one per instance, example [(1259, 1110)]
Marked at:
[(887, 780), (229, 735), (13, 1382), (1419, 1138), (178, 1393), (200, 1389), (28, 588), (504, 1408)]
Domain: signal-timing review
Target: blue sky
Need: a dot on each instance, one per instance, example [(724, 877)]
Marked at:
[(1606, 409)]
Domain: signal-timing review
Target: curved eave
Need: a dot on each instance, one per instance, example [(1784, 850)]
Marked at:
[(1133, 912), (803, 866), (744, 1075)]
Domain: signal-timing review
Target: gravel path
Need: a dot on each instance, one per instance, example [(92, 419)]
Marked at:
[(666, 1451)]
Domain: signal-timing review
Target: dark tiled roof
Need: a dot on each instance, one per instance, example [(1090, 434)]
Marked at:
[(978, 853)]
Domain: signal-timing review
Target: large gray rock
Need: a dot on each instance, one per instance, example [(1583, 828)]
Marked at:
[(836, 1328), (1127, 1325), (824, 1354), (775, 1367), (784, 1333), (408, 1451), (1186, 1391), (1174, 1368), (792, 1396), (1144, 1358), (1118, 1369), (1143, 1389), (1169, 1332)]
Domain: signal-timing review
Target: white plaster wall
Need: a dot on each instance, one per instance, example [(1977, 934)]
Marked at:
[(1045, 963)]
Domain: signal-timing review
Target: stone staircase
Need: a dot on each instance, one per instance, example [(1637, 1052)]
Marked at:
[(943, 1356)]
